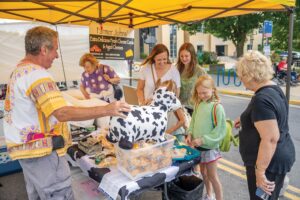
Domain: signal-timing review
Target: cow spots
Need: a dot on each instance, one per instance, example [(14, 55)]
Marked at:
[(162, 131), (156, 115), (137, 114), (122, 122), (154, 132), (154, 123), (166, 96)]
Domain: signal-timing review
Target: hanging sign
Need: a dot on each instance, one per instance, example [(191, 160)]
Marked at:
[(111, 42)]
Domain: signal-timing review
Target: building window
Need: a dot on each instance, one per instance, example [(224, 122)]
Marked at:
[(152, 38), (249, 47), (220, 50), (259, 47), (147, 36), (199, 48), (200, 28), (173, 41)]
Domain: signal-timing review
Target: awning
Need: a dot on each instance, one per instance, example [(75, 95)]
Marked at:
[(133, 13)]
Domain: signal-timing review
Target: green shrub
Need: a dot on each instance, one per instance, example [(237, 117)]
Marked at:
[(207, 57), (143, 56), (275, 58)]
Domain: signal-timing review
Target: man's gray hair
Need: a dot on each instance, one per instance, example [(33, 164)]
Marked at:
[(37, 37)]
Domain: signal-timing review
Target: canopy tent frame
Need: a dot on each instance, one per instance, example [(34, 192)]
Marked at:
[(150, 16), (112, 18), (290, 49)]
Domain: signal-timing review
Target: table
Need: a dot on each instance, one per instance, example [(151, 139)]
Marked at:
[(113, 182)]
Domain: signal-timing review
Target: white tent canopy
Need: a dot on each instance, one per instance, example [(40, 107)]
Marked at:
[(74, 42)]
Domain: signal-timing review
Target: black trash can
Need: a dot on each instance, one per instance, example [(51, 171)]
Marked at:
[(185, 188)]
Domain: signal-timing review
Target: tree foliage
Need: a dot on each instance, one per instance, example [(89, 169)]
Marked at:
[(279, 40), (296, 39), (237, 28), (234, 28)]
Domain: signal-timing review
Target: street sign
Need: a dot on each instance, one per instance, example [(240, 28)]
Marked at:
[(267, 50), (268, 26)]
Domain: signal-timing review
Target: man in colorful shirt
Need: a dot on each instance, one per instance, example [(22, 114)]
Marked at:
[(34, 120)]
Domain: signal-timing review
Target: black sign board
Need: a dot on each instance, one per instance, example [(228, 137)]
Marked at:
[(111, 47)]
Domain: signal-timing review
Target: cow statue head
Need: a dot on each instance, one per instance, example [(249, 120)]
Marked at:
[(165, 99)]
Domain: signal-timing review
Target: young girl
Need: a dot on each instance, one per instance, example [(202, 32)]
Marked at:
[(205, 136), (176, 119)]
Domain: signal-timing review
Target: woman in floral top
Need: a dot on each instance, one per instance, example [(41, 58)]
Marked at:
[(189, 72), (96, 77)]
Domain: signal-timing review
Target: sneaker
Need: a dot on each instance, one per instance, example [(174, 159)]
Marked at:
[(206, 197)]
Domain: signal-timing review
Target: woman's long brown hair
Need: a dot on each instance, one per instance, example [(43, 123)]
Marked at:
[(157, 49), (192, 66)]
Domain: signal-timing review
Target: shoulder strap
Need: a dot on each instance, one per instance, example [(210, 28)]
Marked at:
[(100, 66), (151, 66), (214, 115)]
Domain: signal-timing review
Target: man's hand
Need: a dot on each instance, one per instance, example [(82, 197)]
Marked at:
[(118, 108)]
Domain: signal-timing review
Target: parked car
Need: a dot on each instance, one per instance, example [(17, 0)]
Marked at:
[(295, 54)]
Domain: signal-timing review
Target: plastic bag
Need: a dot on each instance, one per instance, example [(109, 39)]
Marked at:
[(185, 187)]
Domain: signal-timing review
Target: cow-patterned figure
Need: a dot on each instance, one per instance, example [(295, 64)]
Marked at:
[(144, 122)]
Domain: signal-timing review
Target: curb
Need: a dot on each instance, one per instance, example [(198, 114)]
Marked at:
[(249, 95)]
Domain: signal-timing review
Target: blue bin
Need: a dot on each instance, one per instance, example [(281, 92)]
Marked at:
[(190, 153), (7, 166)]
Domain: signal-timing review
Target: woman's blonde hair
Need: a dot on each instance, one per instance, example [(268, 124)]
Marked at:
[(157, 49), (254, 66), (87, 57), (205, 81)]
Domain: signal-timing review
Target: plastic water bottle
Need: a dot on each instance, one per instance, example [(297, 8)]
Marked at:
[(262, 194)]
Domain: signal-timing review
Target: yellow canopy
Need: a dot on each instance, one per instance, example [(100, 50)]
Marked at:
[(133, 13)]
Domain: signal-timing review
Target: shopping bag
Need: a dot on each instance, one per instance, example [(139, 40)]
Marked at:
[(185, 187)]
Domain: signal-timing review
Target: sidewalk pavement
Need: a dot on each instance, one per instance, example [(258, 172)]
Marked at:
[(241, 91)]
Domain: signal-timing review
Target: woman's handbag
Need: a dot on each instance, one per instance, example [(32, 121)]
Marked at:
[(118, 93)]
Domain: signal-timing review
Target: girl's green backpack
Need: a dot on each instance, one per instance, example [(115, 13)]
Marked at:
[(229, 137)]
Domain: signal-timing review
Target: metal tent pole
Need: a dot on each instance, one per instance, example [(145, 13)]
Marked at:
[(290, 48), (130, 72), (61, 58)]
